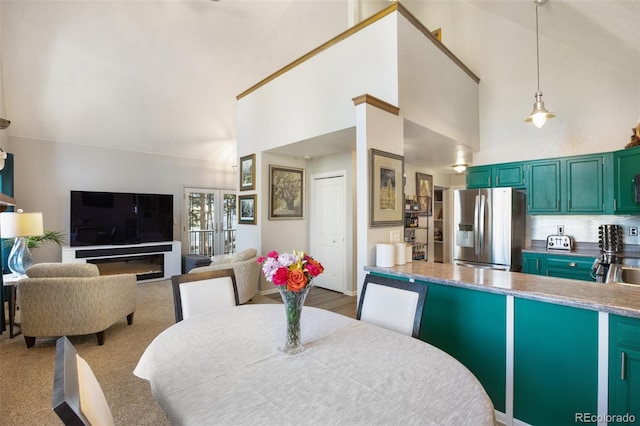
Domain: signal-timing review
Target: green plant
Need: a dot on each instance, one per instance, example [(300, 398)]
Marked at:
[(37, 241)]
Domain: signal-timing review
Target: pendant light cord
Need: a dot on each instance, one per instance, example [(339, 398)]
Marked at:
[(537, 46)]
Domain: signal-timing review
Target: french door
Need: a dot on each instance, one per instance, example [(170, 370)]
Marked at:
[(209, 221)]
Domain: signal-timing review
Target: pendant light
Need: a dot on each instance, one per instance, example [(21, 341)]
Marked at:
[(539, 115)]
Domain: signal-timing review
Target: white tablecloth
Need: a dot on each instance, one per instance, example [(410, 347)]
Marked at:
[(227, 368)]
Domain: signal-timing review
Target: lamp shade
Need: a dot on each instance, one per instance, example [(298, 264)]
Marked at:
[(14, 225)]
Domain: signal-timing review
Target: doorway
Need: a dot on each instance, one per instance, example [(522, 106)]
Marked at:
[(328, 227), (209, 221)]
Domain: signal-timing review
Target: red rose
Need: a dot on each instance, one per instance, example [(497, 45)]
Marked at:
[(314, 267), (296, 280), (280, 277)]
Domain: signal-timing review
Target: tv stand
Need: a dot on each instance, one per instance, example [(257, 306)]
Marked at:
[(149, 261)]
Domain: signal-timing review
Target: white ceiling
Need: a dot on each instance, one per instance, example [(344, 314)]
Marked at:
[(161, 76)]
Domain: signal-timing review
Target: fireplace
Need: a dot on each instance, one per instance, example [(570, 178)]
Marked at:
[(145, 267)]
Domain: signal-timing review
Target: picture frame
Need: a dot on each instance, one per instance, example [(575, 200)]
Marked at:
[(386, 191), (248, 172), (247, 209), (424, 191), (286, 192)]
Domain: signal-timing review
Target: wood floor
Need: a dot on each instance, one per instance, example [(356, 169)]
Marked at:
[(327, 299)]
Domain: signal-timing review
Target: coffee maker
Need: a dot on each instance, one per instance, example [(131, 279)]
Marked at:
[(610, 241)]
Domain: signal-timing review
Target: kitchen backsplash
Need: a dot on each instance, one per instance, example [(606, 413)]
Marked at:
[(581, 228)]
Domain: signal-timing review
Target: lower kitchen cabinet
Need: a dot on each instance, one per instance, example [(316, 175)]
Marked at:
[(624, 369), (470, 326), (555, 362), (557, 265)]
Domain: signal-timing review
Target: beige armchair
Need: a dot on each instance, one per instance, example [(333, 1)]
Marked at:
[(67, 299), (245, 267)]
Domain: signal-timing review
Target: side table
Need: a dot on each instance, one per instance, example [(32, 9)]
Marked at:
[(10, 281)]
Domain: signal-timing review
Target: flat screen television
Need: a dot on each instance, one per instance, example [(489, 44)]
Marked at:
[(107, 218)]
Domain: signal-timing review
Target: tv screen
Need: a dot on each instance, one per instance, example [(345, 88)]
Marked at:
[(106, 218)]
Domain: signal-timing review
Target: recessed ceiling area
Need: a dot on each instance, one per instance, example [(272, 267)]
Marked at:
[(422, 147)]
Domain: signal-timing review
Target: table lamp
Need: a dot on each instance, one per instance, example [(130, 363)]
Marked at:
[(20, 225)]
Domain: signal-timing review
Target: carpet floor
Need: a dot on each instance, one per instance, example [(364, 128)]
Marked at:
[(26, 375)]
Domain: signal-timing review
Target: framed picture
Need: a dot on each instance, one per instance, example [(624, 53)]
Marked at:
[(386, 190), (424, 190), (286, 192), (248, 172), (247, 209)]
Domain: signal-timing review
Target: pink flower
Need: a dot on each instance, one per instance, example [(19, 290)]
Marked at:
[(273, 254), (261, 259), (280, 277)]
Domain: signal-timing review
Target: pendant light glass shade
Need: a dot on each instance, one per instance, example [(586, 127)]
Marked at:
[(539, 115)]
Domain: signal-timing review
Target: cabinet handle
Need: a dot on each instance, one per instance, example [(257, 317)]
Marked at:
[(572, 264), (615, 205), (497, 180), (538, 264), (558, 205), (489, 181), (568, 205), (622, 366)]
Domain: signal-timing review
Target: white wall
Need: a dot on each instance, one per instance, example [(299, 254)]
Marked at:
[(45, 172)]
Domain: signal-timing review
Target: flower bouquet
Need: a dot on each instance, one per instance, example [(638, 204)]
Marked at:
[(291, 273)]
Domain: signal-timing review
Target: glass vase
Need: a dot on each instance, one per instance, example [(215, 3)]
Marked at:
[(293, 303)]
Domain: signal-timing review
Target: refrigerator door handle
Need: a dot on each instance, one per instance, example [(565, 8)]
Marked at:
[(481, 224), (476, 223)]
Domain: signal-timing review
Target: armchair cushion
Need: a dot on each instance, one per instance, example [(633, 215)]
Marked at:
[(50, 270), (245, 255)]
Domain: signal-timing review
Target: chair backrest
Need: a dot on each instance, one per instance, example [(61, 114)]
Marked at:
[(393, 304), (203, 291), (77, 396)]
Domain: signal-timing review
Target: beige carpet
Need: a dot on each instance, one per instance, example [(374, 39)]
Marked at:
[(26, 375)]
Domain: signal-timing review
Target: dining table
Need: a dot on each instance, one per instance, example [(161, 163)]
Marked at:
[(227, 367)]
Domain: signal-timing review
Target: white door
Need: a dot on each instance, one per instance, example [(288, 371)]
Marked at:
[(209, 221), (328, 223)]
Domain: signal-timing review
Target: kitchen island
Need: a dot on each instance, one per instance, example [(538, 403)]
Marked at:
[(546, 349)]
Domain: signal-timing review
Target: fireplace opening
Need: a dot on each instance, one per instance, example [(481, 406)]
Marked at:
[(145, 267)]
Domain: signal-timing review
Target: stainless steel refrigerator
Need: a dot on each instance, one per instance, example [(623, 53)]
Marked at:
[(489, 226)]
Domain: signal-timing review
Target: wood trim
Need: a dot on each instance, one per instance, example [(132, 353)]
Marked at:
[(349, 32), (413, 20), (379, 103)]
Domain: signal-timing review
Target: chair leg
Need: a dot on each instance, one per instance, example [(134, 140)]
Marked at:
[(100, 336), (30, 341), (130, 318)]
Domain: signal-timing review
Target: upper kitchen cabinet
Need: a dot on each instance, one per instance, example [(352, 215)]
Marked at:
[(571, 185), (511, 175), (626, 184)]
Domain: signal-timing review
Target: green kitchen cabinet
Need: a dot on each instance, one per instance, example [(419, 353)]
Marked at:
[(532, 263), (470, 326), (543, 187), (511, 175), (555, 362), (587, 185), (626, 170), (479, 177), (624, 369), (558, 265)]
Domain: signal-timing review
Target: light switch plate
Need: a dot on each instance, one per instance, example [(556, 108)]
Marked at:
[(394, 236)]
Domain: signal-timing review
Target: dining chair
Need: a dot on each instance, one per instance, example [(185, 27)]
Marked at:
[(203, 291), (77, 396), (393, 304)]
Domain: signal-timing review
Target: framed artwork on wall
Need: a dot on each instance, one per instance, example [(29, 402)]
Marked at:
[(286, 192), (386, 189), (424, 191), (248, 172), (247, 209)]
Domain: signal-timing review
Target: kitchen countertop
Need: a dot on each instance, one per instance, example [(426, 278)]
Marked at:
[(581, 249), (613, 298)]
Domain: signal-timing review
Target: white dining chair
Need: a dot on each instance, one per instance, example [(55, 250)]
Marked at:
[(392, 304), (203, 291), (77, 396)]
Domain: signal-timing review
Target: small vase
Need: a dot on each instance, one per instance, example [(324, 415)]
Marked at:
[(293, 303)]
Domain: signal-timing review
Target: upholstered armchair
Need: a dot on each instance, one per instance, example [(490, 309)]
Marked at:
[(245, 267), (67, 299)]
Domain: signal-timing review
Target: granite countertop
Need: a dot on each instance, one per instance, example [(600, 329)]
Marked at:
[(613, 298)]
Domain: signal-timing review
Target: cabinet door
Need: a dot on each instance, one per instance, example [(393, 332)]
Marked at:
[(479, 177), (470, 326), (572, 267), (531, 264), (624, 368), (509, 175), (543, 193), (626, 168), (585, 184), (555, 362)]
